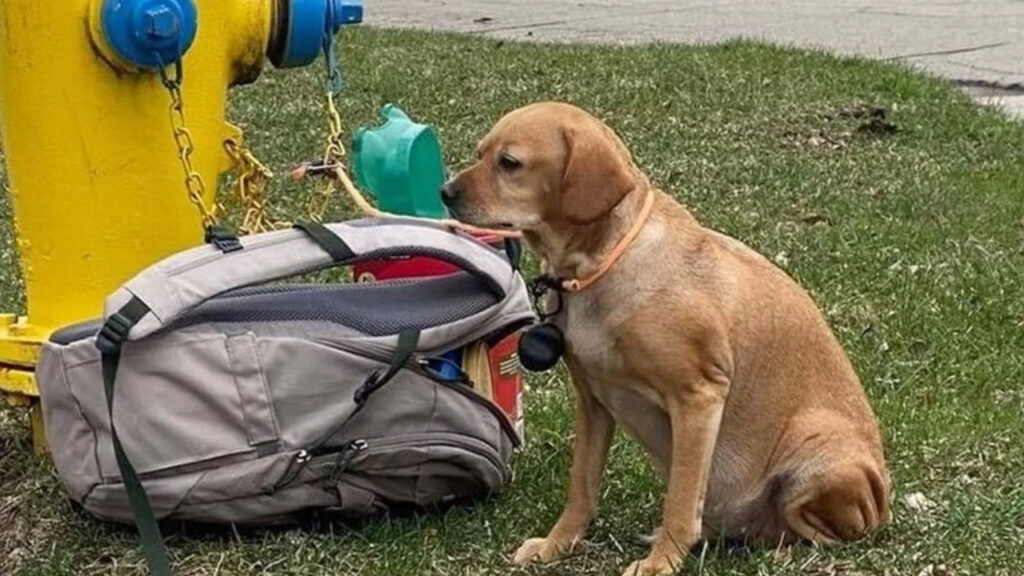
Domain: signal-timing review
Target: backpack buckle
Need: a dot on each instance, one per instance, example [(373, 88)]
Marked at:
[(114, 333), (369, 387), (223, 240)]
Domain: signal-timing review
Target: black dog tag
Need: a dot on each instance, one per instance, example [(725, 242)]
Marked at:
[(541, 347)]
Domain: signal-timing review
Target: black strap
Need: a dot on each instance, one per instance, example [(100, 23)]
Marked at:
[(112, 336), (514, 252), (406, 347), (115, 330), (407, 341), (329, 241)]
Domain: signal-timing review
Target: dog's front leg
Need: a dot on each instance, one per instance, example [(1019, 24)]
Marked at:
[(695, 414), (594, 427)]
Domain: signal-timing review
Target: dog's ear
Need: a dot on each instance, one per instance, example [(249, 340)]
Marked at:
[(597, 174)]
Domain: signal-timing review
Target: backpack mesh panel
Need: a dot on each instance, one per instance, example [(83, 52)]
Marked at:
[(377, 309)]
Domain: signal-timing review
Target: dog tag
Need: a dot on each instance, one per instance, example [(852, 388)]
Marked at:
[(541, 347)]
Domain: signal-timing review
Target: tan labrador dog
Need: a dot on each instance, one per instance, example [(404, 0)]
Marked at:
[(716, 361)]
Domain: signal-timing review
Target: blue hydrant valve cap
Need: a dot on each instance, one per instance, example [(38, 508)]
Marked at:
[(346, 12), (300, 26), (149, 33)]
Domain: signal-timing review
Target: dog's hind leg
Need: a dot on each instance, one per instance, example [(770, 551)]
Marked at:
[(840, 503), (831, 488)]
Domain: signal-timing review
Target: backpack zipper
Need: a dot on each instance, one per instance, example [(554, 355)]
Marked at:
[(415, 366), (465, 445), (473, 396), (345, 458), (346, 452)]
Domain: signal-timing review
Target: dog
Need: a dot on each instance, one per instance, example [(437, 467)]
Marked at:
[(714, 359)]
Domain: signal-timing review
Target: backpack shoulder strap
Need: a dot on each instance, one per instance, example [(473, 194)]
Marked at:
[(109, 342), (175, 285)]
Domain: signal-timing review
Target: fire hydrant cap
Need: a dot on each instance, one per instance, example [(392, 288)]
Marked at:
[(307, 21), (149, 33)]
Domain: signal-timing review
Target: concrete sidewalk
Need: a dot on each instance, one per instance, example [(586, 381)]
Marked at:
[(977, 43)]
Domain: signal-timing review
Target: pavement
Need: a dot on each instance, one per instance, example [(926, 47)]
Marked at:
[(978, 44)]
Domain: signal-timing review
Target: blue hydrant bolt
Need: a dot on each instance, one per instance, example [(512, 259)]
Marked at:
[(148, 33), (161, 22)]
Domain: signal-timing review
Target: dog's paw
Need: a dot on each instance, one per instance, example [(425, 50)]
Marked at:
[(652, 567), (540, 550)]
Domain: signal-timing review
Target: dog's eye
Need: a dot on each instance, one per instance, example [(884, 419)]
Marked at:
[(509, 163)]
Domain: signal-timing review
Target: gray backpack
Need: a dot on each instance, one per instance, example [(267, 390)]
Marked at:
[(239, 402)]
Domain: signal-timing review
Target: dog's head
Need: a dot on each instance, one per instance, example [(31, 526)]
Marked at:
[(542, 164)]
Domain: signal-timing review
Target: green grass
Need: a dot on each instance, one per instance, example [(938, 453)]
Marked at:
[(913, 244)]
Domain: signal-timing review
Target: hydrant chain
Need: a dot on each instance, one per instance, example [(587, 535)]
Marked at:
[(334, 150), (195, 187), (251, 178)]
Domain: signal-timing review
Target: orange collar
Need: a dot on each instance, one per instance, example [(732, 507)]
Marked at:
[(580, 284)]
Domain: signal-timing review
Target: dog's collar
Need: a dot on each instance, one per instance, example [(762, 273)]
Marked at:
[(580, 284)]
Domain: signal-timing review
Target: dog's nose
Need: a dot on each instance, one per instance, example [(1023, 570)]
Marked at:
[(449, 192)]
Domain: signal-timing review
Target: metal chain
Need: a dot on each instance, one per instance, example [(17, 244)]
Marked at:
[(333, 156), (194, 184), (334, 148), (251, 179)]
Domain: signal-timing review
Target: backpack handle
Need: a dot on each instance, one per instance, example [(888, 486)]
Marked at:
[(174, 286)]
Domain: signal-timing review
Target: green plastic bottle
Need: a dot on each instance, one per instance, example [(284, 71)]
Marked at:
[(401, 165)]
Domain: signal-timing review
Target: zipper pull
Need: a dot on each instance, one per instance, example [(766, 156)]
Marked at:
[(298, 463), (345, 458)]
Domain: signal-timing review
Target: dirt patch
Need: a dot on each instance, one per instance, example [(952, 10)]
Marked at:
[(837, 129)]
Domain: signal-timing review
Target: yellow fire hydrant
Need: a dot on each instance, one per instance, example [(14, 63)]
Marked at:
[(94, 167)]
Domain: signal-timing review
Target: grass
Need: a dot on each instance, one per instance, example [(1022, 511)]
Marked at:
[(912, 242)]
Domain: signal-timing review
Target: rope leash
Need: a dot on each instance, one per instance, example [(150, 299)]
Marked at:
[(337, 173)]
